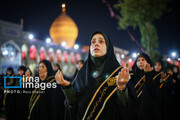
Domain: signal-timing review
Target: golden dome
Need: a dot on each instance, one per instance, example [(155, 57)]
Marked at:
[(64, 29)]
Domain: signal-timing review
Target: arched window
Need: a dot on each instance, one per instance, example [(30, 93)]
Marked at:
[(42, 53), (32, 52), (58, 55)]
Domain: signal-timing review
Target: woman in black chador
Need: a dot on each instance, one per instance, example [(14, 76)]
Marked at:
[(44, 102), (146, 83), (163, 92), (176, 81), (10, 72), (100, 90), (17, 101)]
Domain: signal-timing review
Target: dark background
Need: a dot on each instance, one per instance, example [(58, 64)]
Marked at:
[(90, 15)]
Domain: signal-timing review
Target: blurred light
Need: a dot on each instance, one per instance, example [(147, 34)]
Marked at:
[(63, 44), (107, 75), (95, 74), (130, 60), (178, 59), (122, 56), (76, 46), (173, 54), (48, 40), (31, 36), (168, 59), (134, 55), (63, 5), (5, 52), (12, 53)]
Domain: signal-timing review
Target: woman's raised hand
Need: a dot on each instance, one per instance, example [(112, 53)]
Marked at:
[(148, 68), (122, 79), (60, 79)]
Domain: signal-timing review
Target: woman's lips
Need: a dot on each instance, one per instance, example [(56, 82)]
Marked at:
[(141, 66), (96, 49)]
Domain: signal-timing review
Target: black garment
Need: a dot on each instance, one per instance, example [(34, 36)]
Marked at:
[(69, 108), (50, 102), (10, 105), (162, 96), (176, 103), (86, 84), (22, 103), (17, 103), (48, 106), (11, 81), (148, 102)]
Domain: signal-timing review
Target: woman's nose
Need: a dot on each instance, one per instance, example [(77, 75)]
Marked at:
[(96, 44)]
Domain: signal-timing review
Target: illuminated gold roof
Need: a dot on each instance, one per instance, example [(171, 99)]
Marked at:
[(64, 29)]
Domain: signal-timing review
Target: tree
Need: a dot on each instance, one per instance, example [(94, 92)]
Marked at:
[(141, 14)]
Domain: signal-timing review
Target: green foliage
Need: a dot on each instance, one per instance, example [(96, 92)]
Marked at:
[(141, 14), (149, 38), (135, 12)]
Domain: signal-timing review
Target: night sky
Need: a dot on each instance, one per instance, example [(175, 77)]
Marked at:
[(90, 15)]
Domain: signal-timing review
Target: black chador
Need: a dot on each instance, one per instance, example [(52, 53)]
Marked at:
[(46, 104), (164, 87), (93, 93), (16, 101), (176, 82), (146, 85)]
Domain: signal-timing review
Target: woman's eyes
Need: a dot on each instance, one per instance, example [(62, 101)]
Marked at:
[(93, 42), (101, 41), (42, 67)]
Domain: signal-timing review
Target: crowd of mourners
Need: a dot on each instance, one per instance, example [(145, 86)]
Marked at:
[(99, 89)]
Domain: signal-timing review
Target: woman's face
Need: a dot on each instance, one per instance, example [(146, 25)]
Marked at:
[(21, 72), (98, 45), (175, 69), (141, 62), (9, 72), (42, 68), (158, 67), (170, 72), (28, 73)]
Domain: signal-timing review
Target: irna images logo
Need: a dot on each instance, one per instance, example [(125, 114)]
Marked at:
[(28, 82)]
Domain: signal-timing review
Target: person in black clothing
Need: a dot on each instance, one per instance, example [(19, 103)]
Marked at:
[(16, 101), (28, 72), (22, 98), (9, 82), (100, 89), (68, 107), (10, 72), (176, 81), (146, 84), (163, 92), (48, 103), (2, 108), (61, 95), (79, 65)]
